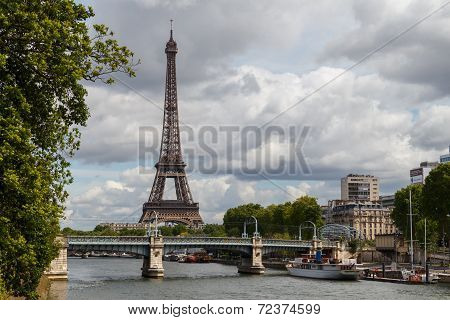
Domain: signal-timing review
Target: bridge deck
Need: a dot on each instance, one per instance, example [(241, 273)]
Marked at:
[(143, 240)]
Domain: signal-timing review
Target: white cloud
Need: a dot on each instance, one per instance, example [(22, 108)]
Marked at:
[(417, 56)]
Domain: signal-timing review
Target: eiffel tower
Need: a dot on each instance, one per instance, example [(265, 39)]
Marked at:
[(171, 165)]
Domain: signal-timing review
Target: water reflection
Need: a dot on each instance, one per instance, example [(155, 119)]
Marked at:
[(119, 278)]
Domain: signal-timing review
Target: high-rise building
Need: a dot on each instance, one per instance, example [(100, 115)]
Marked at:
[(418, 175), (445, 157), (360, 187)]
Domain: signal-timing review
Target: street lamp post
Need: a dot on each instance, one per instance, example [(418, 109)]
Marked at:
[(425, 253), (245, 235), (411, 247), (156, 225), (300, 230), (149, 230), (256, 233)]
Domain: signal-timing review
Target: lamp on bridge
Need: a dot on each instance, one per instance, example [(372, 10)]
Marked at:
[(245, 234), (154, 219), (300, 230), (256, 233)]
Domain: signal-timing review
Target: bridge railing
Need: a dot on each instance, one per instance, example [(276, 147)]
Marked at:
[(286, 243), (207, 240), (107, 240)]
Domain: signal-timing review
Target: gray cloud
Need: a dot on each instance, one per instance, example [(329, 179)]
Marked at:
[(417, 57), (432, 129), (212, 36)]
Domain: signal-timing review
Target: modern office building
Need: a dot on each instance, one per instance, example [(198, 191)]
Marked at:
[(360, 187), (368, 216), (419, 174), (445, 157)]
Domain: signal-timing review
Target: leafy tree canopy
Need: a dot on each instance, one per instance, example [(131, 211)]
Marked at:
[(400, 215), (436, 196), (401, 210), (46, 52), (277, 220)]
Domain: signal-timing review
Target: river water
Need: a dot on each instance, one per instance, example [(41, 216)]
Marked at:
[(120, 278)]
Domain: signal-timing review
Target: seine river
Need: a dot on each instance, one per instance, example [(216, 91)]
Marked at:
[(120, 278)]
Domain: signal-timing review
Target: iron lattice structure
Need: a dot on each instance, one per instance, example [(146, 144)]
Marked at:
[(338, 232), (171, 165)]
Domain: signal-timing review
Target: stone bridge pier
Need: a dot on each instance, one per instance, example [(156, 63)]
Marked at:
[(153, 263), (253, 264)]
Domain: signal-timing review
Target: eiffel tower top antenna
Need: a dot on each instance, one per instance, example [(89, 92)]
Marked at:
[(171, 28)]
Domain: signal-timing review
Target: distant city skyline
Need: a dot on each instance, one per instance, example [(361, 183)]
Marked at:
[(243, 67)]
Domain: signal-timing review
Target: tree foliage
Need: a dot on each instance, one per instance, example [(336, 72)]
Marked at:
[(401, 207), (277, 220), (103, 231), (210, 230), (47, 51), (306, 209), (3, 293), (436, 197), (400, 215)]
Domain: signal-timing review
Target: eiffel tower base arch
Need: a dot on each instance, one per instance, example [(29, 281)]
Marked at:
[(173, 211)]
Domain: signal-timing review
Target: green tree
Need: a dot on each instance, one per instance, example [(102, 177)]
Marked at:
[(400, 215), (305, 209), (179, 229), (166, 231), (100, 228), (214, 230), (401, 207), (46, 52), (3, 292), (280, 214), (132, 232), (436, 197), (235, 217), (233, 232)]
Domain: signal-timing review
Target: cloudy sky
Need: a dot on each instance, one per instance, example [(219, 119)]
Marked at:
[(246, 64)]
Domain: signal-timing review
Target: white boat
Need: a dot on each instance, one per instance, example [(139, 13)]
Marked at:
[(309, 268), (419, 276)]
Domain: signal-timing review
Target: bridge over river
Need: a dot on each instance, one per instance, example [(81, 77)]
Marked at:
[(152, 248)]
